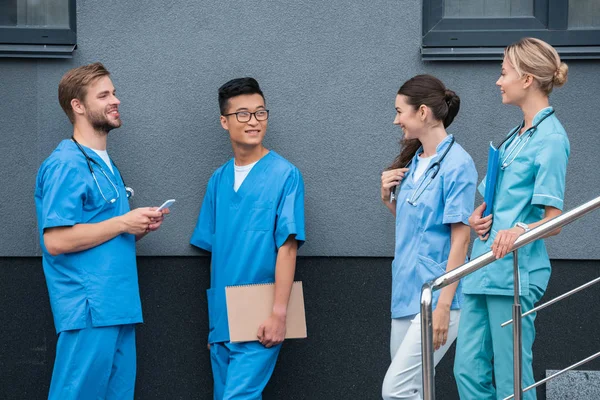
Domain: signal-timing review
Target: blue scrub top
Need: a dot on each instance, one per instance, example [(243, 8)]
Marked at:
[(423, 230), (102, 279), (244, 229), (534, 180)]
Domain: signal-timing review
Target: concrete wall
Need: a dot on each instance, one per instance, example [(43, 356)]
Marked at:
[(330, 71)]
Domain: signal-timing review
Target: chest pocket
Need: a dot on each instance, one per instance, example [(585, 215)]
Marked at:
[(261, 216), (521, 172), (95, 201), (427, 196)]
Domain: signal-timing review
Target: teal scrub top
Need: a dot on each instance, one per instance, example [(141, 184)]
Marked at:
[(243, 230), (535, 179), (104, 278), (423, 230)]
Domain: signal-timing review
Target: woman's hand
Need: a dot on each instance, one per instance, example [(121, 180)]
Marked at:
[(390, 179), (441, 321), (479, 224), (505, 240)]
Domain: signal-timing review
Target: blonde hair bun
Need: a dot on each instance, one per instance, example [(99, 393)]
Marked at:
[(560, 76)]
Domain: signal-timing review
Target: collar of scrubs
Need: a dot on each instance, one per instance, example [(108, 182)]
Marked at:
[(536, 119), (439, 150), (251, 178), (113, 174), (514, 139), (94, 156), (541, 114)]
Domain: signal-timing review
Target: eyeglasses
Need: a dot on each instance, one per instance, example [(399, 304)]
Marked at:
[(246, 116)]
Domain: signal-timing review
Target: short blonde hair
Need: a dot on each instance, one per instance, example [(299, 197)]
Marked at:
[(531, 56)]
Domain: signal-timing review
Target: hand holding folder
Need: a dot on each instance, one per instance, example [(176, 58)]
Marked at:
[(248, 306)]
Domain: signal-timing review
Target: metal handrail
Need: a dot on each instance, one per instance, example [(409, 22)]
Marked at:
[(468, 268), (562, 371), (555, 300)]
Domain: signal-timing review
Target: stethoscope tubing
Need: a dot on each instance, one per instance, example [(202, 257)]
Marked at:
[(435, 165), (529, 132), (89, 162)]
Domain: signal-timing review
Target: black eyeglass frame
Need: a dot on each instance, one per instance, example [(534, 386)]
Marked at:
[(247, 112)]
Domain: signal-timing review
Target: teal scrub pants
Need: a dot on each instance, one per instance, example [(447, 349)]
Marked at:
[(95, 363), (483, 346), (241, 370)]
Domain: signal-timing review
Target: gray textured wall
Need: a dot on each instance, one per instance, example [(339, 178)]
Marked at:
[(330, 71)]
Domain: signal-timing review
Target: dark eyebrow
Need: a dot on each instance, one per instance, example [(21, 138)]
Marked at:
[(103, 93), (247, 109)]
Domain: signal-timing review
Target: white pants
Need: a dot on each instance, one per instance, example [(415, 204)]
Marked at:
[(403, 379)]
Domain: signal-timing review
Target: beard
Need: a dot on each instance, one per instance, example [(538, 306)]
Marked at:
[(101, 123)]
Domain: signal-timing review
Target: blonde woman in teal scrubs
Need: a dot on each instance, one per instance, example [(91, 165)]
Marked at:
[(529, 191)]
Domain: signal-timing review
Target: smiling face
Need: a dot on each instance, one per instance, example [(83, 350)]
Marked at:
[(100, 107), (512, 86), (410, 120), (245, 134)]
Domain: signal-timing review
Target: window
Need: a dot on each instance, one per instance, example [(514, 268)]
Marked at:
[(37, 28), (480, 29)]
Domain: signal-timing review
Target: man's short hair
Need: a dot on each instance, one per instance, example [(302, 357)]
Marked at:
[(74, 85), (237, 87)]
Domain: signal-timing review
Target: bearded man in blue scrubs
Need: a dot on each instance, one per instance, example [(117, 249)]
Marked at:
[(252, 221), (88, 235)]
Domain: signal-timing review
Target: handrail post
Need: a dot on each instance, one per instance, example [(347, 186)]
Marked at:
[(517, 333), (427, 342)]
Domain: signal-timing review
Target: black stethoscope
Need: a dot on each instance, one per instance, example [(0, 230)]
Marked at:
[(89, 161), (435, 167), (529, 133)]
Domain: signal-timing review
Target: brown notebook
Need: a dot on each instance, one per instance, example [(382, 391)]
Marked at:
[(248, 306)]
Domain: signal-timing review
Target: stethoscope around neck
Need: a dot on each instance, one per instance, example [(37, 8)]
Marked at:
[(505, 163), (433, 168), (91, 161)]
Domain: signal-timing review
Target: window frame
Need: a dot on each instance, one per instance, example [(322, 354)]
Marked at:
[(38, 42), (472, 39)]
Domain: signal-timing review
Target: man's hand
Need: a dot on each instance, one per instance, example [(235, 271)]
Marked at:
[(156, 222), (141, 220), (272, 331)]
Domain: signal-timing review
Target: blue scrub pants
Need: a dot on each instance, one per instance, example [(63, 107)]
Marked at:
[(481, 339), (95, 363), (241, 370)]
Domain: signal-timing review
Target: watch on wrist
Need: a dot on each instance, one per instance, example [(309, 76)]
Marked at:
[(523, 226)]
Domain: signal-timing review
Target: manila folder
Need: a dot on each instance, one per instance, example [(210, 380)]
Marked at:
[(248, 306)]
